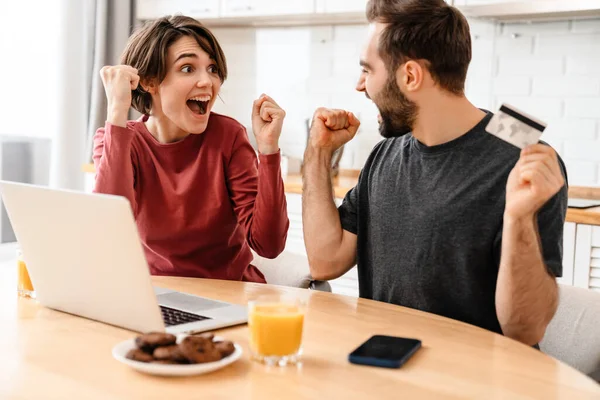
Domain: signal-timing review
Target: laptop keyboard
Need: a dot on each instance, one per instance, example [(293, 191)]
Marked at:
[(172, 316)]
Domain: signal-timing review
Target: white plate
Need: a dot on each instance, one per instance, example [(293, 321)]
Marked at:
[(121, 349)]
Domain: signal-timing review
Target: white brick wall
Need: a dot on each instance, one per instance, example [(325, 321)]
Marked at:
[(302, 69), (585, 107), (530, 65), (566, 86), (558, 80), (548, 69)]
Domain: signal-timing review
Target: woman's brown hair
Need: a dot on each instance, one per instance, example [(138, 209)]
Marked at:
[(147, 51)]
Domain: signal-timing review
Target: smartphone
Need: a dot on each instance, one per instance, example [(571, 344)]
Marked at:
[(385, 351)]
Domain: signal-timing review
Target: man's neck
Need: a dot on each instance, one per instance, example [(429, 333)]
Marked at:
[(164, 130), (445, 118)]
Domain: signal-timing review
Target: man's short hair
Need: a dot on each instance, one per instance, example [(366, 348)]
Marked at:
[(429, 30)]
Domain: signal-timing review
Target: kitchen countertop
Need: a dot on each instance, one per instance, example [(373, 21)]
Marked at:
[(348, 178), (342, 184), (589, 216)]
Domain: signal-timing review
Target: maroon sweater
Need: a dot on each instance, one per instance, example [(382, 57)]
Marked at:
[(200, 203)]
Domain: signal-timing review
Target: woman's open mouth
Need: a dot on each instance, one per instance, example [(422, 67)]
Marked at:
[(199, 104)]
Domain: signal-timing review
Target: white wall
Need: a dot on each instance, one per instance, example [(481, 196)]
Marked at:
[(29, 42), (302, 69), (551, 70)]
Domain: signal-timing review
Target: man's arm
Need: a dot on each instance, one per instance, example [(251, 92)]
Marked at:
[(526, 292), (331, 250)]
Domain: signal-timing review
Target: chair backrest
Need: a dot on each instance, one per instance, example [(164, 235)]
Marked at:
[(289, 269), (573, 335)]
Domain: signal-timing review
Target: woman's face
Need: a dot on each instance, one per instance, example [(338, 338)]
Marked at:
[(191, 85)]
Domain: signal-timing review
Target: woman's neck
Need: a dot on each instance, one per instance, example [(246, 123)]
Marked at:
[(164, 130)]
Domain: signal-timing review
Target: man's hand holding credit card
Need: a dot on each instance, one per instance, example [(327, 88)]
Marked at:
[(515, 127), (537, 175)]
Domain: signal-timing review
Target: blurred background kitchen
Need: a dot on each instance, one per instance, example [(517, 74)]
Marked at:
[(542, 56)]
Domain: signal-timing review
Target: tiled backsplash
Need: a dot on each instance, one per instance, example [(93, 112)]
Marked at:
[(551, 70), (302, 69)]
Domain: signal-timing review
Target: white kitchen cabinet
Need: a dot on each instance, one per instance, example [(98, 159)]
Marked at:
[(586, 272), (238, 8), (200, 9), (341, 6), (295, 238), (269, 7), (346, 284), (246, 8)]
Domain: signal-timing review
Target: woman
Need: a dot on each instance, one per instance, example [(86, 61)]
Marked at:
[(200, 196)]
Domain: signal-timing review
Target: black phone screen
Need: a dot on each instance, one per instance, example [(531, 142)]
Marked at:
[(387, 347)]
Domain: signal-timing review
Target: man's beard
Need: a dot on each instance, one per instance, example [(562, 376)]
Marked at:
[(398, 113)]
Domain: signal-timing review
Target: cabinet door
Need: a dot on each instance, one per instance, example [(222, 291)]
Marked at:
[(587, 257), (295, 237), (238, 8), (200, 8), (270, 7), (151, 9), (337, 6), (594, 282), (346, 284), (244, 8)]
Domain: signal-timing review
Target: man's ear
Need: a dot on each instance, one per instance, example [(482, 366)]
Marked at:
[(409, 76)]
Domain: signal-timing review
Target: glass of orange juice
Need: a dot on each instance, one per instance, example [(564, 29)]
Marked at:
[(276, 324), (24, 285)]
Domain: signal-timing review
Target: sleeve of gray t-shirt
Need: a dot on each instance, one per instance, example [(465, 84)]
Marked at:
[(348, 210), (551, 220)]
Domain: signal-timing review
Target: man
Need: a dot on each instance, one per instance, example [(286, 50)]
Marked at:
[(445, 217)]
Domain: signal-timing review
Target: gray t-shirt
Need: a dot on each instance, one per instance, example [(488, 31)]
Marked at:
[(429, 224)]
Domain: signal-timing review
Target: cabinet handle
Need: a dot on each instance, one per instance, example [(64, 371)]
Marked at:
[(199, 11)]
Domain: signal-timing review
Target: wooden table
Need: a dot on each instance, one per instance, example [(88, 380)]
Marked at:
[(49, 354)]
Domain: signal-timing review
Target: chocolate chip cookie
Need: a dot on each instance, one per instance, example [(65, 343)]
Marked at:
[(226, 348), (170, 353), (198, 349), (139, 355), (150, 341)]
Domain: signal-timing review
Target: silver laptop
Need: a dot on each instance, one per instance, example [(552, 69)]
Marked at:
[(85, 257)]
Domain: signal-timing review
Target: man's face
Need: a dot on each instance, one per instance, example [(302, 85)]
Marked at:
[(190, 88), (397, 112)]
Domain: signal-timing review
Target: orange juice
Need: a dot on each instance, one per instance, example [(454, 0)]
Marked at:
[(24, 285), (275, 329)]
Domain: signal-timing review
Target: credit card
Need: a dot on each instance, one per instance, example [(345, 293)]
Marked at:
[(515, 127)]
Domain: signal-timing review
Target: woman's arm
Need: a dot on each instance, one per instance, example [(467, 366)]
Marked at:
[(257, 193), (113, 156), (114, 162)]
